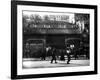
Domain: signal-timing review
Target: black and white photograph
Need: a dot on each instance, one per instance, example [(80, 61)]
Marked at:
[(53, 39)]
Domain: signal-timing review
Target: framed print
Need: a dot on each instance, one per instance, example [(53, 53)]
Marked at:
[(53, 39)]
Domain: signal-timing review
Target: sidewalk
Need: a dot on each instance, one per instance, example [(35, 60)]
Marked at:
[(46, 64)]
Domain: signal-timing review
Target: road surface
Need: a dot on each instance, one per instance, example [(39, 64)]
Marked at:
[(46, 64)]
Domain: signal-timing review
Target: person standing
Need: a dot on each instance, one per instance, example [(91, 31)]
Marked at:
[(27, 50), (43, 57), (68, 55), (62, 58), (53, 55)]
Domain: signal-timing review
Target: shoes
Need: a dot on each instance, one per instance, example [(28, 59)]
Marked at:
[(68, 63)]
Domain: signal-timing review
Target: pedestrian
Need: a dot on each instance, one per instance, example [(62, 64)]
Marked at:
[(53, 55), (27, 50), (68, 56), (62, 58), (43, 57)]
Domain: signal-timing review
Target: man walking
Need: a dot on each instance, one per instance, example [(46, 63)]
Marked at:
[(53, 55)]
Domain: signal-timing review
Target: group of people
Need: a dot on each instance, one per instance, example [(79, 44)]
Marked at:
[(50, 52), (54, 55)]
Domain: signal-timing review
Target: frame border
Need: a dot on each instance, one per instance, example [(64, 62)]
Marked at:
[(14, 39)]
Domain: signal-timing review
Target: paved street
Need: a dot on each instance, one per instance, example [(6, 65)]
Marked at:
[(45, 64)]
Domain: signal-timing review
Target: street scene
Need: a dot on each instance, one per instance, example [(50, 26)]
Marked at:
[(55, 39)]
